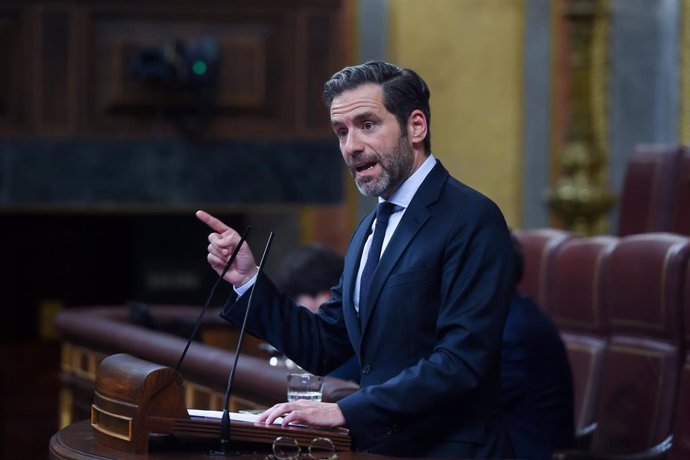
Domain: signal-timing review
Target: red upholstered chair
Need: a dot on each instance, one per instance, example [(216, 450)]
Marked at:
[(686, 308), (643, 288), (643, 293), (681, 199), (680, 448), (537, 246), (575, 287), (586, 355), (645, 279), (574, 295), (648, 189)]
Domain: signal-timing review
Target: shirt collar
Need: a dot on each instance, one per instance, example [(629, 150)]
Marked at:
[(403, 196)]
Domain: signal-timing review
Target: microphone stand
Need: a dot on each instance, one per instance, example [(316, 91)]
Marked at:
[(224, 450), (210, 296)]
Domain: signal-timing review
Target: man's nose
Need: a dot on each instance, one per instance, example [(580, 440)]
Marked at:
[(353, 144)]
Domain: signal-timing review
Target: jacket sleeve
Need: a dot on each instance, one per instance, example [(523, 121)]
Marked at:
[(316, 342)]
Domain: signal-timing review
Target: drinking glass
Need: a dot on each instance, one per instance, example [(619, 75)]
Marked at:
[(304, 386)]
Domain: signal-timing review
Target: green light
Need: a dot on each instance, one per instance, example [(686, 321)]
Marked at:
[(199, 67)]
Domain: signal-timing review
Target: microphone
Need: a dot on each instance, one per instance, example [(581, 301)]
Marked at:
[(224, 450), (210, 296)]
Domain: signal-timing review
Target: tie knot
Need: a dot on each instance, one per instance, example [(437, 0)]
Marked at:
[(384, 211)]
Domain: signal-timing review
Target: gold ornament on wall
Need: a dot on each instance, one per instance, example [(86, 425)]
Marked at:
[(579, 198)]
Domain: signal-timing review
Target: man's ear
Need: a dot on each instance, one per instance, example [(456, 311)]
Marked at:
[(416, 127)]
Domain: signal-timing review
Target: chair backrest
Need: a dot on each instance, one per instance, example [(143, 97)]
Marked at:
[(574, 285), (642, 295), (586, 356), (681, 200), (680, 448), (537, 247), (644, 282), (574, 296), (636, 398), (648, 188)]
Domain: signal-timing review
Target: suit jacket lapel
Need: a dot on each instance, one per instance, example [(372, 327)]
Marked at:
[(414, 218), (352, 260)]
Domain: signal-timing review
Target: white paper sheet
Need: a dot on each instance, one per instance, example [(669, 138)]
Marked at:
[(238, 416)]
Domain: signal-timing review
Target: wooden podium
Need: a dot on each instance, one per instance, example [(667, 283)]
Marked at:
[(76, 442), (135, 399)]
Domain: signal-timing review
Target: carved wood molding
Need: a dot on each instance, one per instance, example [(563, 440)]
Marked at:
[(65, 67)]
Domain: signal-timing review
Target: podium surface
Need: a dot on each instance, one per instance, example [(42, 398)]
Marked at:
[(77, 442)]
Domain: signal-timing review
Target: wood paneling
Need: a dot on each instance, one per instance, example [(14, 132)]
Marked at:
[(320, 42), (12, 69), (67, 66), (251, 98), (55, 70)]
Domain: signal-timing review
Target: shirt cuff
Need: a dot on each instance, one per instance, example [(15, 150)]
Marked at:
[(246, 286)]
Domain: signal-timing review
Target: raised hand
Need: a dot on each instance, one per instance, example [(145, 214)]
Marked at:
[(222, 243)]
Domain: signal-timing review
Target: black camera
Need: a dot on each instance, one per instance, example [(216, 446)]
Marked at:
[(178, 65)]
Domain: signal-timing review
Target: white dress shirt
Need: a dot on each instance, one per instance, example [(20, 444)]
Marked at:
[(402, 198)]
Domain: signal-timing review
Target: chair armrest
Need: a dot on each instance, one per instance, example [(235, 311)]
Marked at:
[(658, 452), (572, 455), (335, 389), (583, 437)]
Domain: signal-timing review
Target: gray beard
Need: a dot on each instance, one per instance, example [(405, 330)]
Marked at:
[(395, 172), (375, 187)]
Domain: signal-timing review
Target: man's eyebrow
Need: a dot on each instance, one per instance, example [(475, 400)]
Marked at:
[(357, 118)]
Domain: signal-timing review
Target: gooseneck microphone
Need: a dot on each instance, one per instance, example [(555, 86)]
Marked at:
[(225, 420), (210, 296)]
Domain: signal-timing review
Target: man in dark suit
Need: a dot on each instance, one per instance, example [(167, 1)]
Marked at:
[(426, 326), (536, 378)]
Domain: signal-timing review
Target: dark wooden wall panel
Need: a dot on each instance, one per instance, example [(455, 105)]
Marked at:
[(243, 73), (13, 48), (65, 67), (68, 99), (250, 99), (320, 64), (56, 73)]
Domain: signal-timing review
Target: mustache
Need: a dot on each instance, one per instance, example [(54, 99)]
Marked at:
[(361, 158)]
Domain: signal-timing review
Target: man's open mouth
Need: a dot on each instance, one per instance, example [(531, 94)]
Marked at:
[(364, 166)]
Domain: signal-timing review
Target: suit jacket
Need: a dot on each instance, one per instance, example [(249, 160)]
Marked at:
[(428, 344), (537, 383), (348, 371)]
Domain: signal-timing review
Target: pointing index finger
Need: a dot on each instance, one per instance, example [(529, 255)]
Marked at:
[(216, 224)]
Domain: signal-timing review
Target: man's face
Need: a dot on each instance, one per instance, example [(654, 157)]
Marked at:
[(378, 154)]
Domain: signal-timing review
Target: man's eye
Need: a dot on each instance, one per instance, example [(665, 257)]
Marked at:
[(368, 124), (341, 133)]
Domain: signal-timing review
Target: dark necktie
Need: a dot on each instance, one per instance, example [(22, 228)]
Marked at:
[(383, 212)]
